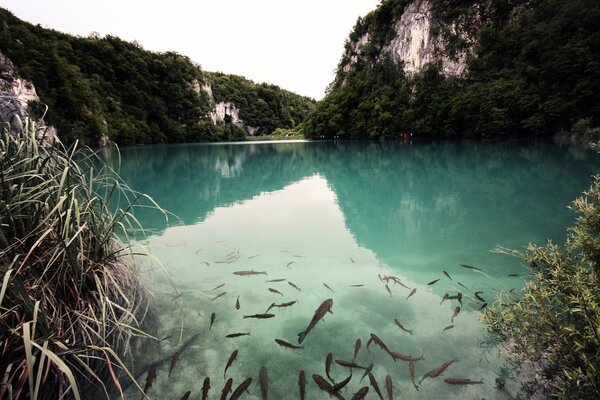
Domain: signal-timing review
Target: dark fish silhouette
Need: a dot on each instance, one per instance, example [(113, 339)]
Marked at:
[(264, 383), (456, 312), (282, 305), (275, 280), (356, 348), (186, 395), (232, 358), (294, 286), (249, 273), (328, 362), (411, 372), (402, 327), (218, 287), (479, 297), (340, 385), (289, 264), (434, 282), (367, 371), (149, 379), (434, 373), (359, 285), (349, 364), (325, 386), (470, 267), (237, 303), (445, 273), (219, 295), (302, 384), (320, 312), (375, 385), (234, 335), (388, 289), (205, 388), (379, 342), (411, 293), (447, 328), (361, 394), (275, 291), (399, 356), (390, 387), (351, 259), (254, 256), (287, 344), (484, 305), (458, 381), (513, 275), (226, 389), (260, 316), (213, 316), (240, 389), (462, 285), (327, 286), (173, 362)]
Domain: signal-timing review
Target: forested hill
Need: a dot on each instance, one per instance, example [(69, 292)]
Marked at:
[(99, 88), (466, 68)]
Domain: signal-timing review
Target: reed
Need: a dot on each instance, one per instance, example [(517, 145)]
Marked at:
[(71, 300)]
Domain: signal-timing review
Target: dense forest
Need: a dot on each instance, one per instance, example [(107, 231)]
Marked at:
[(534, 69), (106, 87)]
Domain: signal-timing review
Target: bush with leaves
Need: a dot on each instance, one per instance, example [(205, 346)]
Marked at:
[(554, 327)]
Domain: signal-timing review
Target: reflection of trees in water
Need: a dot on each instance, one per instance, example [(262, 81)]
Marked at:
[(428, 196)]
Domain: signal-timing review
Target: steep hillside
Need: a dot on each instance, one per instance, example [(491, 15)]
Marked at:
[(465, 68), (104, 88)]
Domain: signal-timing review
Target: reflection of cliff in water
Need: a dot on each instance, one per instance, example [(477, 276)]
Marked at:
[(398, 200)]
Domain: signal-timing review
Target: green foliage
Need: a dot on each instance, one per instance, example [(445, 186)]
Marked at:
[(98, 87), (69, 300), (555, 324), (265, 106), (535, 70)]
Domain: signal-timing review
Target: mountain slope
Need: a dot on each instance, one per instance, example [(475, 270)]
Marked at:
[(465, 68), (106, 88)]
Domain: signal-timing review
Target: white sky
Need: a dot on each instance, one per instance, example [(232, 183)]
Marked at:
[(295, 44)]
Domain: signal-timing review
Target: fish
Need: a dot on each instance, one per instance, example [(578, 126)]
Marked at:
[(351, 259), (447, 328), (327, 286), (213, 316), (289, 264), (186, 395), (237, 303), (218, 287), (459, 297), (470, 267), (395, 279), (320, 312), (445, 273), (294, 286), (328, 361), (434, 373), (456, 312), (299, 256), (205, 388), (302, 384), (249, 273), (479, 297), (219, 295), (375, 385), (232, 358), (368, 344), (205, 263), (359, 285), (260, 316), (234, 335), (411, 372), (446, 297), (240, 389), (325, 386), (484, 305), (399, 356), (513, 275), (264, 383), (388, 289), (275, 280), (390, 387), (356, 348), (289, 345), (226, 389), (173, 362), (283, 305), (361, 394), (434, 282), (459, 381), (402, 327), (462, 285), (379, 342), (275, 291), (254, 256), (340, 385), (367, 371), (349, 364), (150, 378), (411, 293), (197, 251)]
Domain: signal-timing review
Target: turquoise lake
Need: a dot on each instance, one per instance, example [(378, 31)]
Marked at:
[(341, 214)]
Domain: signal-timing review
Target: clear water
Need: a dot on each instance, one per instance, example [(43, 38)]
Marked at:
[(342, 213)]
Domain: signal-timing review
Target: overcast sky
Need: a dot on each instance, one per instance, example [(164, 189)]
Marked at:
[(295, 44)]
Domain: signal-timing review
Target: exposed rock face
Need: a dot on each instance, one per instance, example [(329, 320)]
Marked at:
[(416, 46), (15, 95), (229, 113)]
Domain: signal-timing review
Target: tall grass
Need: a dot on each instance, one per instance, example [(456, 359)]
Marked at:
[(70, 300)]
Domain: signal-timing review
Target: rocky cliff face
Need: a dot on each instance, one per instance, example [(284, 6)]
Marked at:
[(15, 95), (229, 113)]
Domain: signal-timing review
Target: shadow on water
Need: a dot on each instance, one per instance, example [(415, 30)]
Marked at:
[(341, 214)]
